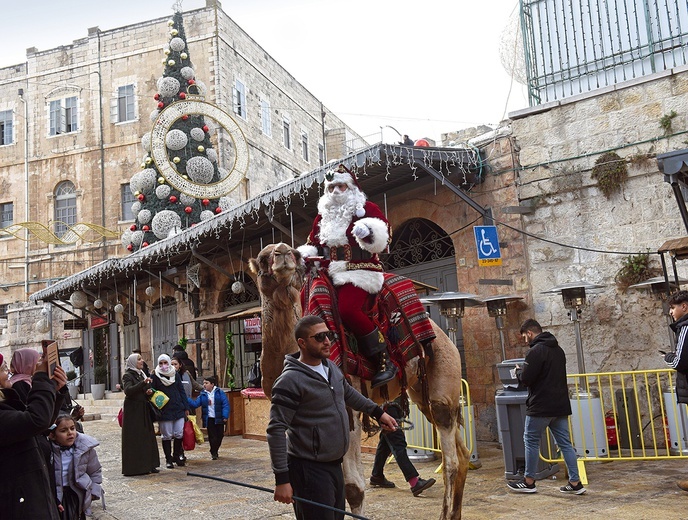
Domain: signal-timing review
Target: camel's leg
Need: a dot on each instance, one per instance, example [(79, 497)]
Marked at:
[(455, 459), (354, 483)]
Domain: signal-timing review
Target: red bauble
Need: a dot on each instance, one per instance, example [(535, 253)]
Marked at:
[(133, 227), (205, 128), (185, 117), (141, 197), (218, 210), (191, 82), (173, 199), (161, 104), (182, 95), (188, 209), (422, 142), (146, 228), (205, 202), (193, 224), (156, 97), (130, 247), (145, 244)]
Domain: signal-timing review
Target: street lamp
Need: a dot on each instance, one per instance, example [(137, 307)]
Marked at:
[(452, 306), (496, 308), (587, 416)]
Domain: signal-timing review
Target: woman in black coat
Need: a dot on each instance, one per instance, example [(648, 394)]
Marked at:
[(166, 380), (25, 490), (139, 447)]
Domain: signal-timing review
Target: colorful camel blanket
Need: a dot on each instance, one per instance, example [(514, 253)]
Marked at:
[(396, 311)]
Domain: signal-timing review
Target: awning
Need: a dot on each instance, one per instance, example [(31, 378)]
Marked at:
[(219, 317), (676, 247)]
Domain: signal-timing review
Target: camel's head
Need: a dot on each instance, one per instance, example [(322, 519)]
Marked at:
[(280, 261)]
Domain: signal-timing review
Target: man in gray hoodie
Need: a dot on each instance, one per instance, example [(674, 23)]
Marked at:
[(309, 401)]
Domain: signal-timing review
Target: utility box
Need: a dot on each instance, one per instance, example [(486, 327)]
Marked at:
[(510, 403)]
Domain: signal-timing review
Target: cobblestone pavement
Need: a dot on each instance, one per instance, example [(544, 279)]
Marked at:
[(618, 490)]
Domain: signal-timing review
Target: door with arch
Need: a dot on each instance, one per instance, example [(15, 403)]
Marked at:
[(424, 252), (164, 328)]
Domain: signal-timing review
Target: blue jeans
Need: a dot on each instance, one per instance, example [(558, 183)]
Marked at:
[(559, 426)]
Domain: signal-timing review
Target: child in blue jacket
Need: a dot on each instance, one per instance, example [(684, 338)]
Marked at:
[(215, 409)]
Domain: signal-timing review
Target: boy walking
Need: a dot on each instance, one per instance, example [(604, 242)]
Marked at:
[(215, 410)]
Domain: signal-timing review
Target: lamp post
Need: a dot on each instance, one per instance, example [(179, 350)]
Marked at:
[(452, 306), (676, 416), (497, 309), (589, 430)]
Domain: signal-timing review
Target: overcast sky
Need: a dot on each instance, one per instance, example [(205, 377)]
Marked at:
[(422, 67)]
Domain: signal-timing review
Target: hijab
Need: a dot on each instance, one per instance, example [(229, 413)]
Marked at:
[(24, 363), (166, 376), (131, 364)]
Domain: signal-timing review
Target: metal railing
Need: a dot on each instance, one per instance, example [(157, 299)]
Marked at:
[(424, 436), (575, 47)]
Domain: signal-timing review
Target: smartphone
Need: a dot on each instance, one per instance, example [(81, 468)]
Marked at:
[(51, 355)]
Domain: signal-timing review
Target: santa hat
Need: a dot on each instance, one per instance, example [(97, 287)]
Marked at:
[(341, 175)]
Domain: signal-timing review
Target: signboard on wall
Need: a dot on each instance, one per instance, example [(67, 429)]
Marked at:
[(99, 321), (252, 330)]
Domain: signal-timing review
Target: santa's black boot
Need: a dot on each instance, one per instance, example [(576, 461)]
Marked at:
[(178, 453), (374, 345)]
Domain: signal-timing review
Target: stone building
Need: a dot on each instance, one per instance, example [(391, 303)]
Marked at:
[(71, 121)]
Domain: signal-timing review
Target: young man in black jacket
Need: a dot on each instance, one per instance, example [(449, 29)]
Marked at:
[(544, 373), (678, 308), (309, 401)]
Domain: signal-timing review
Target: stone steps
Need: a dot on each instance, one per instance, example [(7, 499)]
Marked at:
[(106, 408)]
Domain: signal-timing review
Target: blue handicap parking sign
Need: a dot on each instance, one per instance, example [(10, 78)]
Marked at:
[(487, 244)]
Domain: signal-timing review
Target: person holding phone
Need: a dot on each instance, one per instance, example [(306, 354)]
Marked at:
[(678, 309), (25, 488), (22, 367)]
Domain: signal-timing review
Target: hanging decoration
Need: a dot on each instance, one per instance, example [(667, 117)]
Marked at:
[(119, 308), (84, 231), (150, 291), (78, 299), (193, 272), (238, 287), (98, 303), (42, 326)]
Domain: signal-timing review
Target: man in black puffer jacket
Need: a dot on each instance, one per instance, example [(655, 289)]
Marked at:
[(678, 308), (544, 373)]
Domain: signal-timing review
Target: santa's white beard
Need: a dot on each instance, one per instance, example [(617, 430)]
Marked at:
[(337, 210)]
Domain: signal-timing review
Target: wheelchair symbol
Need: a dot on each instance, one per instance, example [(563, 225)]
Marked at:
[(485, 245)]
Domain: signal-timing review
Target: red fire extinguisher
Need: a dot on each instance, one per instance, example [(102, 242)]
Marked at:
[(611, 430)]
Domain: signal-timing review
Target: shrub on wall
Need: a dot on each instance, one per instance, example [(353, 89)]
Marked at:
[(611, 173)]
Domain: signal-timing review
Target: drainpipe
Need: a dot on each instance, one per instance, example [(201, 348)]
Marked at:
[(26, 189)]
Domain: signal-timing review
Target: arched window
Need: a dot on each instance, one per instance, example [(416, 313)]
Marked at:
[(417, 241), (65, 207)]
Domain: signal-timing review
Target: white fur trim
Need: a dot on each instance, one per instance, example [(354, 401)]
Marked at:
[(307, 250), (369, 281), (379, 233), (341, 178)]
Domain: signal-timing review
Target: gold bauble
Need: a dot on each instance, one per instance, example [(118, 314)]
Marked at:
[(143, 165), (137, 193), (167, 52), (185, 177), (176, 160), (171, 63), (201, 148), (148, 160), (170, 22), (174, 32), (184, 55), (161, 180)]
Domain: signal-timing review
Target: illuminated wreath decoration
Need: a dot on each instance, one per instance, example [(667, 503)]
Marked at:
[(167, 117)]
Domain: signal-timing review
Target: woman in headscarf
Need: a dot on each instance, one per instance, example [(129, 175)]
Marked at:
[(139, 447), (4, 374), (166, 380), (22, 368)]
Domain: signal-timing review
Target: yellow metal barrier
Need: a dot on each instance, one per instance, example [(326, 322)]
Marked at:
[(424, 436), (630, 415)]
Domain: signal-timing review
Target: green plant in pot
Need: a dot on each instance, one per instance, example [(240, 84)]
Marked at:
[(231, 360), (100, 375)]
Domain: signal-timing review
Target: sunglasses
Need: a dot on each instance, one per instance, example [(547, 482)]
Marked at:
[(320, 336)]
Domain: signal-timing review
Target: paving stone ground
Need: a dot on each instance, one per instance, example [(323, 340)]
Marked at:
[(639, 490)]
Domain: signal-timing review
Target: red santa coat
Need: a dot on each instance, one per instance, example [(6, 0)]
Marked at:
[(353, 260)]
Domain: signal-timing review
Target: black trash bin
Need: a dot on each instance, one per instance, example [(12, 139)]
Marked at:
[(510, 402)]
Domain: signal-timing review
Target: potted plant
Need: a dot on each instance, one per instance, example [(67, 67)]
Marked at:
[(100, 379), (73, 384)]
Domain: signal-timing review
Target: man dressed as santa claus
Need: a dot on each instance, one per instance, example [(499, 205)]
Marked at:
[(350, 231)]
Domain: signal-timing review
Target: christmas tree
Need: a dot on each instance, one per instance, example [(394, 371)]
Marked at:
[(180, 172)]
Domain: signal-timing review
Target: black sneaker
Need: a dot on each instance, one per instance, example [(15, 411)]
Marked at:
[(522, 487), (422, 485), (569, 488), (381, 482)]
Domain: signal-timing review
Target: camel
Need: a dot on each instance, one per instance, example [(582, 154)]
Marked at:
[(280, 271)]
